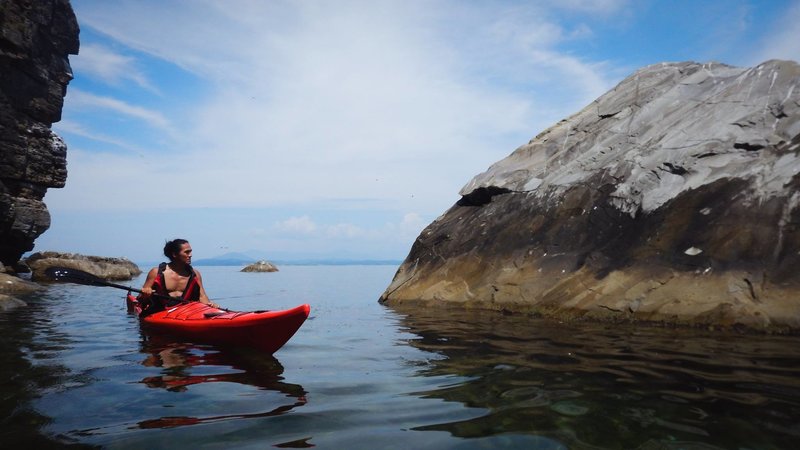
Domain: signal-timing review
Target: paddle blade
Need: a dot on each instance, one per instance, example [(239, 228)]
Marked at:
[(76, 276)]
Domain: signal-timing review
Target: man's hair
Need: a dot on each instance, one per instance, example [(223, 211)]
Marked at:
[(171, 248)]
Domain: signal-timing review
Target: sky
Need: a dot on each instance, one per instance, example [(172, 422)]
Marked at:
[(314, 129)]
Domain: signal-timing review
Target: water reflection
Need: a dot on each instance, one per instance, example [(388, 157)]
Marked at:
[(612, 386), (26, 370), (185, 364)]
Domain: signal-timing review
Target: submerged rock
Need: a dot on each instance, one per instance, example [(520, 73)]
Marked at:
[(103, 267), (10, 286), (8, 303), (672, 198), (261, 266)]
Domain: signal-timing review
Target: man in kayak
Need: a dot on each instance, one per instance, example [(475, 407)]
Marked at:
[(176, 279)]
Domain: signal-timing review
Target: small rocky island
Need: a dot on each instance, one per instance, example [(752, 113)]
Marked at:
[(260, 266), (673, 198)]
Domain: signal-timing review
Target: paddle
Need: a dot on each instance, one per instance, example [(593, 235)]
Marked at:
[(80, 277)]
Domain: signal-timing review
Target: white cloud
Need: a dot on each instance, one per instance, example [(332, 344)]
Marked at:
[(344, 231), (76, 128), (528, 46), (307, 228), (408, 228), (588, 77), (783, 39), (411, 219), (603, 7), (80, 99), (296, 225), (98, 181), (305, 102), (209, 38), (98, 61)]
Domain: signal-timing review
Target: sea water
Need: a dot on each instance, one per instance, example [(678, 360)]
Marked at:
[(78, 370)]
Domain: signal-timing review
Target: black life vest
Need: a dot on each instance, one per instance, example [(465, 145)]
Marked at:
[(160, 302), (190, 294)]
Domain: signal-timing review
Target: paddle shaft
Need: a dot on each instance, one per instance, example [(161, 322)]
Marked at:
[(81, 277), (120, 286), (86, 278), (129, 289)]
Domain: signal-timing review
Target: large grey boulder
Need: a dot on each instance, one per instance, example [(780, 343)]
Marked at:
[(672, 198), (36, 38), (100, 266)]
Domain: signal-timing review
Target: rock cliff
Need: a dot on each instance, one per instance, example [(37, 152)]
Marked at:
[(36, 38), (671, 198)]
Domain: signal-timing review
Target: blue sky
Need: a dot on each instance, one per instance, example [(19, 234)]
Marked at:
[(317, 129)]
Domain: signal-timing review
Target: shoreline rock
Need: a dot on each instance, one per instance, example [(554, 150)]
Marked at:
[(261, 266), (674, 197), (116, 269)]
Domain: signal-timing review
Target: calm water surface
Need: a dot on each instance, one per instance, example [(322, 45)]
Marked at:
[(77, 370)]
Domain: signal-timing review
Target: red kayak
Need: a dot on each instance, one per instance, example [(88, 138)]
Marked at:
[(264, 330)]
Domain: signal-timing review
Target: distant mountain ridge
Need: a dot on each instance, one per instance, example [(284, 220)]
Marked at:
[(227, 259)]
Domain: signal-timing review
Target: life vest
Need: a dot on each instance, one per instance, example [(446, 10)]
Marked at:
[(159, 302), (190, 294)]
